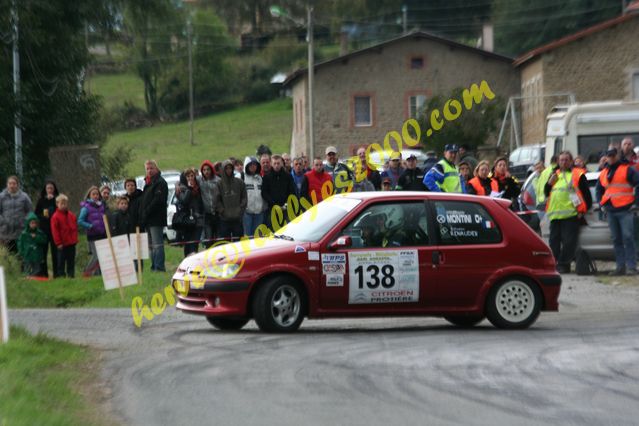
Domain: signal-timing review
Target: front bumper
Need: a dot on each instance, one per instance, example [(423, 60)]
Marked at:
[(215, 298)]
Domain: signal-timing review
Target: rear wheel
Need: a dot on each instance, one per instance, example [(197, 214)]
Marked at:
[(227, 323), (513, 304), (279, 305), (464, 321)]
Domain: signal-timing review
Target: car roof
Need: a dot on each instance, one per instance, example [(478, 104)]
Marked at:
[(393, 195)]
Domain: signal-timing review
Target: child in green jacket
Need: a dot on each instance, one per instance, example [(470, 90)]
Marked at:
[(31, 244)]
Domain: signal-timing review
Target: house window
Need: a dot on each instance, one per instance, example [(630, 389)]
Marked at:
[(635, 86), (417, 62), (363, 110), (416, 105)]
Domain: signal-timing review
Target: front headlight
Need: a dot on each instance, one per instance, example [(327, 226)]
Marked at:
[(223, 271)]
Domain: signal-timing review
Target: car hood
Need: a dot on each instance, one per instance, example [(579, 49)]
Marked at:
[(238, 251)]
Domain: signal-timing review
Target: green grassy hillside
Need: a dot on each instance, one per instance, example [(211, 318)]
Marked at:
[(232, 133), (115, 89)]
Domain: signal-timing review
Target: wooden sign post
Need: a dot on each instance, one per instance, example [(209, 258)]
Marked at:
[(138, 253), (4, 315)]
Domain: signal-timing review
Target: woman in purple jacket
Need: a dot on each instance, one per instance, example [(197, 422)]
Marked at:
[(91, 220)]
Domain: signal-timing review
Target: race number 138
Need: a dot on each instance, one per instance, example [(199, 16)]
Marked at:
[(372, 276)]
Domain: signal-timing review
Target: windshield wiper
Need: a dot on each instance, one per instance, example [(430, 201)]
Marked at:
[(284, 237)]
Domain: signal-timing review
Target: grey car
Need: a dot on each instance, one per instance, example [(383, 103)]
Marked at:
[(595, 242)]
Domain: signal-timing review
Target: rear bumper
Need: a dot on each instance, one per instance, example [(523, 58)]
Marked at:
[(550, 287)]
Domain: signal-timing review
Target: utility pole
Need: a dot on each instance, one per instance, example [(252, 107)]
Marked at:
[(17, 132), (189, 30), (405, 17), (311, 72)]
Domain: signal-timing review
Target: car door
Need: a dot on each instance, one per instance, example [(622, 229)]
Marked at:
[(470, 247), (381, 269)]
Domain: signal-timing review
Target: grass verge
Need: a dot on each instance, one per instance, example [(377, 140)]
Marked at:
[(84, 292), (44, 381)]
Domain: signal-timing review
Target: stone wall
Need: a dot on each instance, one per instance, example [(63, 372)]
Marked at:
[(386, 75)]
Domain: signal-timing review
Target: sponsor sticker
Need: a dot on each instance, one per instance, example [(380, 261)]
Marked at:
[(334, 280), (390, 276), (299, 249), (313, 255)]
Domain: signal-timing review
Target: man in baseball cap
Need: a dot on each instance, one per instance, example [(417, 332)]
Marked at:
[(395, 169), (340, 173), (411, 179)]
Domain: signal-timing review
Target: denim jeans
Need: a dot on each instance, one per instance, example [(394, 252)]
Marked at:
[(251, 222), (622, 230), (156, 247)]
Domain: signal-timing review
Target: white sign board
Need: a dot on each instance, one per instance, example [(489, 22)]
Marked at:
[(144, 246), (4, 315), (124, 262), (383, 276)]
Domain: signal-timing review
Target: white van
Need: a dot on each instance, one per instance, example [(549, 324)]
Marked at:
[(587, 129)]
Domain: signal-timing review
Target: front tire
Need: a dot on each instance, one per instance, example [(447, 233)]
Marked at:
[(513, 304), (279, 305), (227, 323)]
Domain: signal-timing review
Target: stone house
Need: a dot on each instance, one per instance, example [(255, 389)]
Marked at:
[(595, 64), (360, 96)]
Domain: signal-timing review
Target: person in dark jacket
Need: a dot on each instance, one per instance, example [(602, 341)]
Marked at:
[(31, 244), (45, 207), (508, 185), (153, 208), (91, 220), (120, 222), (135, 198), (277, 185), (411, 179), (189, 198), (231, 203)]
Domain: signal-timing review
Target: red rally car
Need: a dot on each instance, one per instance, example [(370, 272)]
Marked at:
[(461, 257)]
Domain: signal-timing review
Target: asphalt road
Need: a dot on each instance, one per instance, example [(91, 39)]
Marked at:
[(579, 366)]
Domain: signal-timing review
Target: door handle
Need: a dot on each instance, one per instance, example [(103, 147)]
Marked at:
[(436, 258)]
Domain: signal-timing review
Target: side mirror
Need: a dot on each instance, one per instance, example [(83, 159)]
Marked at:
[(341, 242)]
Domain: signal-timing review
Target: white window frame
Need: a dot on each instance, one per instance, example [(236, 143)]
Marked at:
[(415, 111), (357, 123)]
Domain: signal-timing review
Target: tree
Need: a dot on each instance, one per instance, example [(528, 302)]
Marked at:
[(212, 74), (521, 25), (473, 127), (54, 110), (152, 23)]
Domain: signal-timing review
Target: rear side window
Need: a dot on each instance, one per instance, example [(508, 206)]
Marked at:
[(463, 223)]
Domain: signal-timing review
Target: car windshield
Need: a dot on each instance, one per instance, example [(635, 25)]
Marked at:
[(318, 220)]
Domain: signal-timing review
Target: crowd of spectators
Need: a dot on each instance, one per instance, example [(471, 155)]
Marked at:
[(230, 199)]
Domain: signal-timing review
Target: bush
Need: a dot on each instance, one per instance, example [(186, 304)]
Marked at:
[(9, 262)]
